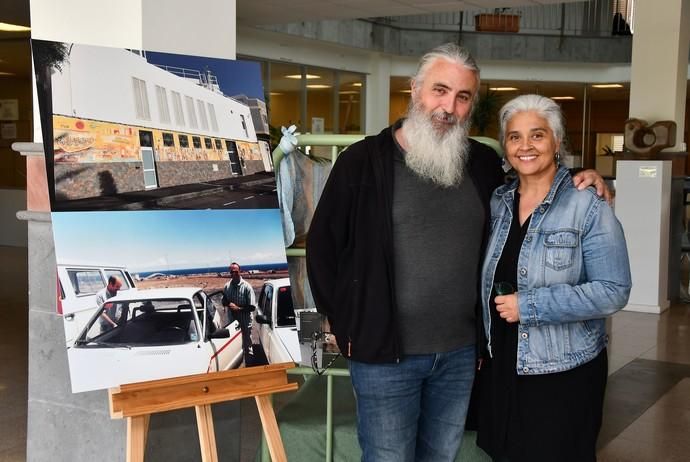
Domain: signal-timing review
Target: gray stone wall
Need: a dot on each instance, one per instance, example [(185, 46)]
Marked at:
[(80, 180), (252, 166), (77, 181), (177, 173)]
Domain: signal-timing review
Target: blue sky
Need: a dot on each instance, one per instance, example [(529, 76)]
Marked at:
[(234, 77), (166, 240)]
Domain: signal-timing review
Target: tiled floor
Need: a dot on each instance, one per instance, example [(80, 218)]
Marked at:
[(646, 414)]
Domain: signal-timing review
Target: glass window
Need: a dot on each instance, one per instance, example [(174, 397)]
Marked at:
[(350, 96), (218, 144), (145, 138), (399, 98), (284, 97), (141, 99), (120, 275), (207, 143), (268, 299), (177, 105), (168, 140), (320, 100), (286, 312), (196, 141), (86, 282), (191, 112), (244, 126), (163, 108), (184, 141), (142, 322)]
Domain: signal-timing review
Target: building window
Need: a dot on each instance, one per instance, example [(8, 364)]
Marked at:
[(207, 143), (86, 282), (218, 144), (244, 126), (212, 114), (184, 141), (191, 113), (177, 105), (141, 99), (168, 140), (163, 108), (196, 141), (202, 114)]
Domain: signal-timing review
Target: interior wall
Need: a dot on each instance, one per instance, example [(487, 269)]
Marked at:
[(14, 231), (13, 165)]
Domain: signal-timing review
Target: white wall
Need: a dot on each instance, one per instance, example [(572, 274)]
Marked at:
[(97, 84)]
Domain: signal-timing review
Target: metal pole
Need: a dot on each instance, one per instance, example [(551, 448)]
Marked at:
[(329, 418), (584, 124)]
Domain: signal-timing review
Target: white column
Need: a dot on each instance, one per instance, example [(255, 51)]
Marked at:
[(659, 70), (378, 94), (643, 198)]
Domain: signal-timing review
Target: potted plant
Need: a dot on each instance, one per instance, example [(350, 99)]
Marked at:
[(501, 20), (485, 111)]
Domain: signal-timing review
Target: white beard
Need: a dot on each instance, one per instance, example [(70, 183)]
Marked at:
[(437, 154)]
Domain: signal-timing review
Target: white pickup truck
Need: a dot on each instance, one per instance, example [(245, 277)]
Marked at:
[(276, 322), (77, 286)]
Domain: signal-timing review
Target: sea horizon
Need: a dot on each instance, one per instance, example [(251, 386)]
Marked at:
[(212, 269)]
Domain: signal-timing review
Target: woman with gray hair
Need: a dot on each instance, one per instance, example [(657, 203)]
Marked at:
[(555, 267)]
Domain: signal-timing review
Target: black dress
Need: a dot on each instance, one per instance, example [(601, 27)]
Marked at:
[(550, 417)]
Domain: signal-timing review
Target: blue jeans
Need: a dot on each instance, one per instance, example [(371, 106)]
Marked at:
[(414, 410)]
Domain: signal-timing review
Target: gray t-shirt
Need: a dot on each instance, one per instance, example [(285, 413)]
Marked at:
[(437, 235)]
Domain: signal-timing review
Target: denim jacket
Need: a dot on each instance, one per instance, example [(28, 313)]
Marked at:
[(573, 271)]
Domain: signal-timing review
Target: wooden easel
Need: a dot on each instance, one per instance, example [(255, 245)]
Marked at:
[(137, 401)]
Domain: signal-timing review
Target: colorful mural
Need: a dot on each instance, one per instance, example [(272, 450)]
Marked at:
[(249, 151), (78, 140)]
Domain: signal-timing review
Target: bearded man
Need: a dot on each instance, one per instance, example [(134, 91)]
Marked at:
[(393, 258)]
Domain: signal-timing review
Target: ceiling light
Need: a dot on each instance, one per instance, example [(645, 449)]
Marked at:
[(299, 76), (405, 91), (357, 84), (562, 97), (607, 85), (4, 27), (349, 92), (318, 86), (502, 88), (6, 73), (276, 93)]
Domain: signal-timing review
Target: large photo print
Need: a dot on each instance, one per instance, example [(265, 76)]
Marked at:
[(153, 294), (136, 129)]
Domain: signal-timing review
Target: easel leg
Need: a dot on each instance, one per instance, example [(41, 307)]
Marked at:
[(137, 431), (271, 431), (207, 435)]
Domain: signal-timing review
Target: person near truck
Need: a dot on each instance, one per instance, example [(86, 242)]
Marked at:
[(109, 314), (239, 298)]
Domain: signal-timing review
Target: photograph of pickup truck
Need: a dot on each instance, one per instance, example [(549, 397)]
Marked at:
[(142, 293)]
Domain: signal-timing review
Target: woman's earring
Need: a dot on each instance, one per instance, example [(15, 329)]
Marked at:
[(557, 158)]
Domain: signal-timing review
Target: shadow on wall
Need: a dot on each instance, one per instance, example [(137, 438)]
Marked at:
[(107, 183)]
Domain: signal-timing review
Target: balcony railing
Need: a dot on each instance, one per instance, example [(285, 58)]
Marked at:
[(585, 18)]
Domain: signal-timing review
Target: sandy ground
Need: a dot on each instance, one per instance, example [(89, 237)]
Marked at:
[(209, 282)]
